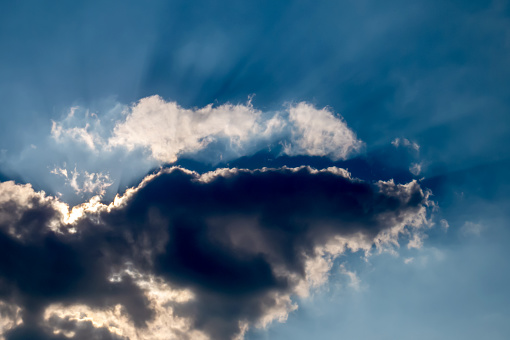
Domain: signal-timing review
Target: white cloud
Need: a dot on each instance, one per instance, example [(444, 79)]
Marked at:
[(409, 260), (164, 325), (168, 130), (65, 130), (409, 224), (416, 241), (470, 228), (16, 199), (227, 131), (125, 142), (319, 133)]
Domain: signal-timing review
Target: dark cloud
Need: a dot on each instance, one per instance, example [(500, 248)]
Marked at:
[(238, 240)]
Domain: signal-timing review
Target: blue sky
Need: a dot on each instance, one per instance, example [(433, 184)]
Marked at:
[(92, 92)]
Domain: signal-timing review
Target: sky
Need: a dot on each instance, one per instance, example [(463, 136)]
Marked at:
[(254, 170)]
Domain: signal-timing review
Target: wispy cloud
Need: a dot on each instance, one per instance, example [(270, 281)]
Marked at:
[(415, 168), (397, 142), (354, 280), (84, 182), (472, 229)]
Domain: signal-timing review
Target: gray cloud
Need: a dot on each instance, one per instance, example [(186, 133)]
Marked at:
[(194, 256)]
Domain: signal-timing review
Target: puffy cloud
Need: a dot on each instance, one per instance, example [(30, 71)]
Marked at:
[(226, 131), (104, 152), (23, 211), (169, 130), (319, 133), (190, 256)]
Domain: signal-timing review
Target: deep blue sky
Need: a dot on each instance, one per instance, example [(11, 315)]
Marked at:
[(434, 72)]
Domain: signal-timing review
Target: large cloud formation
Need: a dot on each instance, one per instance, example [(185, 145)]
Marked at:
[(105, 150), (188, 256)]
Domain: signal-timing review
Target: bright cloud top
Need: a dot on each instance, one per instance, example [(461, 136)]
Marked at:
[(226, 131)]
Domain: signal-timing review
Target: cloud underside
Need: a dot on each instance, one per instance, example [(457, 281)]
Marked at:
[(188, 256)]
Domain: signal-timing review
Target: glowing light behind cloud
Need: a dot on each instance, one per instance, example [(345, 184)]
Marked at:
[(181, 308)]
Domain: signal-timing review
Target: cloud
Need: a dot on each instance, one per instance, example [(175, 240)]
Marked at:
[(319, 133), (409, 260), (10, 317), (105, 151), (190, 256), (472, 229), (84, 182), (354, 280), (64, 131), (444, 224), (169, 131), (415, 168), (397, 142)]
